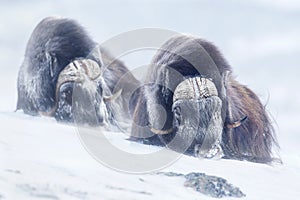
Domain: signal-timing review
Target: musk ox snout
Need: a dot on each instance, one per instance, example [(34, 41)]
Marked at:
[(197, 114)]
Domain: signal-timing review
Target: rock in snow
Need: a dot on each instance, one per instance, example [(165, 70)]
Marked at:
[(209, 185)]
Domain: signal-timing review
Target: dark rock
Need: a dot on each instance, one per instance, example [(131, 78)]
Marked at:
[(209, 185)]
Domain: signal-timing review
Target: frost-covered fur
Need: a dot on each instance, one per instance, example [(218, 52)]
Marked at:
[(54, 44)]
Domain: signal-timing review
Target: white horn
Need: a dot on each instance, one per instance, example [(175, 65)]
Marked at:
[(112, 97), (195, 88), (161, 132), (236, 123), (91, 68)]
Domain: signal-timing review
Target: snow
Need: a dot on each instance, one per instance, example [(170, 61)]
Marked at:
[(43, 159)]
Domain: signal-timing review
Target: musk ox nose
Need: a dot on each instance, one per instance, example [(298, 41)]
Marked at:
[(197, 115)]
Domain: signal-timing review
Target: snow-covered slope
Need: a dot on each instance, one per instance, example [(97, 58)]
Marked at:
[(41, 159)]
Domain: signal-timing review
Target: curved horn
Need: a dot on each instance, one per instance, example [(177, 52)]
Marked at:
[(112, 97), (230, 124), (237, 123), (91, 68), (161, 132), (194, 88), (49, 113)]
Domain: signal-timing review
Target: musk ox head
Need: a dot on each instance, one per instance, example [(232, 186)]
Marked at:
[(82, 94), (197, 114), (195, 109)]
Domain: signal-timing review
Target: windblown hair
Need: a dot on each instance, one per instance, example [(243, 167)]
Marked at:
[(254, 138), (247, 131)]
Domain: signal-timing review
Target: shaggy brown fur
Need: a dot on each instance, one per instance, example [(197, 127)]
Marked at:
[(252, 138)]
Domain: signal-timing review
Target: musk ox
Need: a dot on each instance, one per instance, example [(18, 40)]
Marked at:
[(191, 102), (65, 74)]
